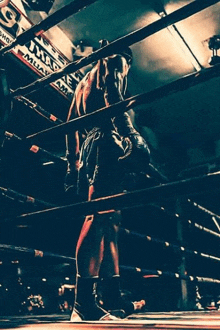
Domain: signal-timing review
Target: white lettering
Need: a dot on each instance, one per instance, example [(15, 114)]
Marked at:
[(5, 38), (44, 43), (40, 54)]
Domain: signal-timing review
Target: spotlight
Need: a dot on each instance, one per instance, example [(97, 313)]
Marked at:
[(214, 45)]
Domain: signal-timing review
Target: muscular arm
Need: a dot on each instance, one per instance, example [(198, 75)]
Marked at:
[(116, 70), (115, 88), (72, 151)]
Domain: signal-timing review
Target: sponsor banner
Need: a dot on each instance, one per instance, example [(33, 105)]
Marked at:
[(38, 54)]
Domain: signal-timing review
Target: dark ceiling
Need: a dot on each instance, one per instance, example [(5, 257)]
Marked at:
[(157, 59)]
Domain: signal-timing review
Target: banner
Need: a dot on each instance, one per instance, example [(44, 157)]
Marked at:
[(38, 54)]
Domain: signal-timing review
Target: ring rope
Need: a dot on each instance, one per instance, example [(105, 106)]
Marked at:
[(35, 253), (14, 195), (127, 40), (172, 246), (37, 108), (205, 210), (198, 226), (35, 149), (133, 199), (144, 98), (53, 19), (195, 224), (41, 254), (171, 274)]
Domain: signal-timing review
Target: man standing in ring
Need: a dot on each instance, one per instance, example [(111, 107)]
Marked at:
[(100, 158)]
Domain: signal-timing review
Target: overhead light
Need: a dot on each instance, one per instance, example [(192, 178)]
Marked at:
[(214, 45)]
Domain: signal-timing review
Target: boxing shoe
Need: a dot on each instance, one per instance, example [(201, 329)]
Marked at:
[(85, 306), (122, 308), (91, 313), (114, 302)]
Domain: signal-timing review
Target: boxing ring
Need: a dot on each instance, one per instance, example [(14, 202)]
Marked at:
[(179, 193)]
